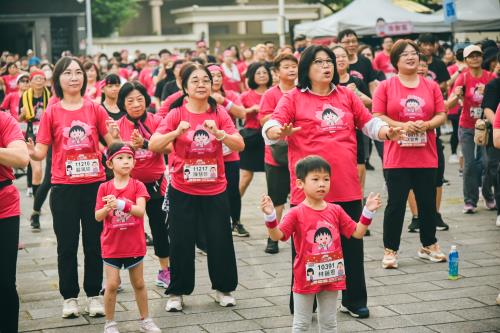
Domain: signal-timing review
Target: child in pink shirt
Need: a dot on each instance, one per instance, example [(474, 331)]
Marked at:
[(316, 226)]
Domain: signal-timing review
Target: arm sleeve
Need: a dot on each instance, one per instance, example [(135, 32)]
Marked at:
[(497, 118), (6, 103), (361, 114), (288, 223), (379, 102)]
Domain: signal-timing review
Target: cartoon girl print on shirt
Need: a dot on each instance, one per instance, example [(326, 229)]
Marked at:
[(322, 238), (331, 118), (476, 92), (120, 216), (78, 135), (412, 106), (202, 141)]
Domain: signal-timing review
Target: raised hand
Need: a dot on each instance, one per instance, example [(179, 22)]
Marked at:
[(288, 129), (182, 127), (266, 205), (113, 128), (136, 139), (373, 202), (210, 126)]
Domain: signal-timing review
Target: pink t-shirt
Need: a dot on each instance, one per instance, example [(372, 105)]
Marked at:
[(231, 82), (249, 99), (198, 164), (267, 105), (9, 202), (452, 69), (316, 236), (10, 83), (496, 124), (471, 110), (11, 103), (328, 130), (74, 136), (93, 92), (123, 234), (146, 79), (409, 104), (165, 105), (229, 155), (149, 166), (382, 62)]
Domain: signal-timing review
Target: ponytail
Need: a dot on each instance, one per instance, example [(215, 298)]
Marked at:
[(213, 104), (178, 102)]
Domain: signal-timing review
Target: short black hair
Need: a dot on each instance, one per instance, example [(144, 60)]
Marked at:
[(59, 68), (268, 42), (309, 164), (186, 71), (426, 38), (299, 38), (112, 79), (322, 231), (346, 32), (306, 60), (162, 51), (460, 54), (252, 69), (126, 89), (199, 60)]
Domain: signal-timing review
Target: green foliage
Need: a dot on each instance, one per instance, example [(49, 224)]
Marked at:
[(333, 5), (109, 15)]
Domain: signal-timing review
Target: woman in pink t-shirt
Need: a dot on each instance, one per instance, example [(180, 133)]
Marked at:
[(198, 210), (12, 100), (13, 154), (73, 126), (94, 88), (319, 117), (10, 79), (416, 104)]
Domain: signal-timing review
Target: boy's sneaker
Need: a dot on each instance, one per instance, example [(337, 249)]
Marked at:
[(362, 312), (174, 303), (148, 326), (70, 308), (224, 299), (35, 222), (440, 225), (149, 240), (414, 224), (95, 307), (432, 253), (163, 278), (240, 231), (469, 209), (498, 221), (453, 159), (111, 327), (390, 259), (272, 246)]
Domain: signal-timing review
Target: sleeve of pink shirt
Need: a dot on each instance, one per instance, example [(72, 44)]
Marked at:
[(284, 113), (226, 123), (361, 114), (376, 61), (44, 135), (234, 97), (170, 122), (102, 117), (141, 191), (265, 105), (10, 130), (288, 223), (165, 105), (6, 103), (379, 102), (346, 225)]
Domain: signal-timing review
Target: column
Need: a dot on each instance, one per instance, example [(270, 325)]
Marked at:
[(42, 38), (156, 15)]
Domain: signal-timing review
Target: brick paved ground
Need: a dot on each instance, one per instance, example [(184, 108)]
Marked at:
[(417, 297)]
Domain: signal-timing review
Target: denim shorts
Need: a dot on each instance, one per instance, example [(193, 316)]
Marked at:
[(125, 263)]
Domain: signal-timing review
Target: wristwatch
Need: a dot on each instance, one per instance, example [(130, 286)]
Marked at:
[(145, 144)]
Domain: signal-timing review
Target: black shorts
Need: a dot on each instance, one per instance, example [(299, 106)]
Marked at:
[(278, 183), (252, 157), (440, 169), (125, 263), (361, 158)]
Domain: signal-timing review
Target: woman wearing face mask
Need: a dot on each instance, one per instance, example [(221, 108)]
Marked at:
[(103, 64), (48, 69), (197, 129), (73, 126), (93, 85)]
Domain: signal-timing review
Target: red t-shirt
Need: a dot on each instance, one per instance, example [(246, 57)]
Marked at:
[(229, 155), (74, 136), (452, 69), (328, 130), (230, 82), (10, 83), (198, 163), (473, 98), (11, 103), (149, 166), (496, 124), (9, 202), (267, 105), (146, 79), (316, 236), (382, 62), (123, 234), (93, 92), (250, 98), (409, 104), (165, 105)]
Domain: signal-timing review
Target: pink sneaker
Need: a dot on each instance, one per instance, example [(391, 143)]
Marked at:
[(163, 278)]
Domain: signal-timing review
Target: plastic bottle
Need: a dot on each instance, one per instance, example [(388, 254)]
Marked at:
[(453, 263)]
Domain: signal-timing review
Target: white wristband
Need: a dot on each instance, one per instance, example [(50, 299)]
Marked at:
[(271, 217), (229, 106), (120, 204), (368, 213)]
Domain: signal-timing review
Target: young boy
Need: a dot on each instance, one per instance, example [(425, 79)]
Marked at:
[(316, 226)]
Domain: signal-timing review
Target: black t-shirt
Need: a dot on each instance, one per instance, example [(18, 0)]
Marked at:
[(37, 107), (169, 89), (360, 84), (363, 70), (438, 71), (161, 84), (491, 95), (114, 116)]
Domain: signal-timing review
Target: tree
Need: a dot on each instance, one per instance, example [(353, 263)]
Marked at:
[(333, 5), (108, 16)]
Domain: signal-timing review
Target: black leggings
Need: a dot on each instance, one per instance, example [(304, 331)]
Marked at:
[(355, 296), (233, 190), (158, 225), (9, 300), (454, 135), (43, 190), (399, 183)]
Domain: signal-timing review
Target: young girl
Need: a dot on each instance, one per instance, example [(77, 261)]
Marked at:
[(316, 226), (121, 203)]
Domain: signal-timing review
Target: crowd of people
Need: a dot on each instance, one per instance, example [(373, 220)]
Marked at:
[(178, 138)]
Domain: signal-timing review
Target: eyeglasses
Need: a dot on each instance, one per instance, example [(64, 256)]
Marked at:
[(24, 81), (408, 54), (323, 62), (198, 82)]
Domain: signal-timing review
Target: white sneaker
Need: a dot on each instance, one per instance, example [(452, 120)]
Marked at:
[(498, 221), (174, 303), (224, 299), (453, 159), (390, 259), (95, 307), (148, 326), (111, 327), (498, 299), (70, 308)]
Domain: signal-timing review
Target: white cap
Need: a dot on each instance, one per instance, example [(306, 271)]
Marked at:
[(470, 49)]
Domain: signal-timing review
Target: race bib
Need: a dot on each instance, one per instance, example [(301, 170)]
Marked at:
[(200, 170), (226, 150), (414, 140), (82, 165), (324, 268), (476, 112)]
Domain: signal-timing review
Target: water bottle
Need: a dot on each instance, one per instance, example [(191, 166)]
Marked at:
[(453, 263)]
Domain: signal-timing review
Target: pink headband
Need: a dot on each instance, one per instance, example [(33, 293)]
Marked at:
[(123, 150), (213, 68), (35, 73)]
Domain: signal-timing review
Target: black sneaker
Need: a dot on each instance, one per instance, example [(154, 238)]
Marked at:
[(440, 225), (149, 240), (414, 225), (368, 166), (35, 222), (356, 313), (368, 233), (272, 246), (240, 231)]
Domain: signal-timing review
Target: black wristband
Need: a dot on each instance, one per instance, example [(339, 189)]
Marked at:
[(145, 145)]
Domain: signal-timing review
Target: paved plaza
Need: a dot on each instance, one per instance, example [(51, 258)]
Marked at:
[(417, 297)]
